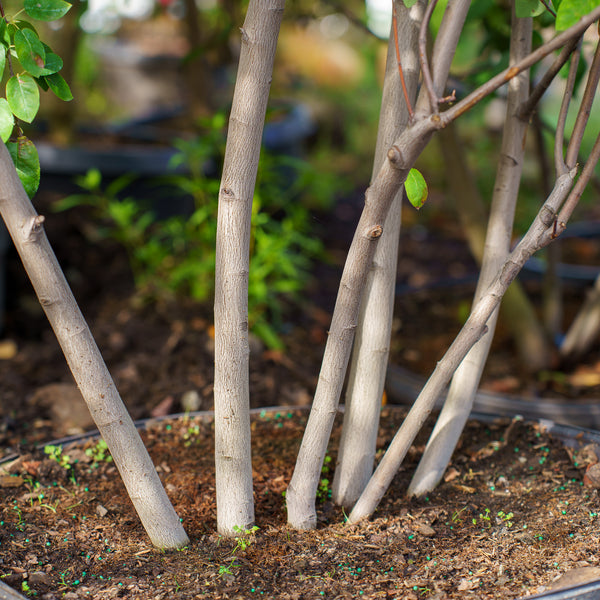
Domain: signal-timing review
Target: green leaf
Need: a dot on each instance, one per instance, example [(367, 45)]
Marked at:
[(41, 81), (4, 35), (529, 8), (30, 51), (570, 11), (27, 163), (53, 62), (409, 3), (416, 188), (7, 120), (18, 25), (59, 86), (2, 60), (46, 10), (23, 96)]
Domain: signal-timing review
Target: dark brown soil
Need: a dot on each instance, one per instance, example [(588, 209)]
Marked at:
[(512, 515), (57, 541)]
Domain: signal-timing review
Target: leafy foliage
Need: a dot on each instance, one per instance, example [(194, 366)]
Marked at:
[(39, 69), (176, 256), (570, 11)]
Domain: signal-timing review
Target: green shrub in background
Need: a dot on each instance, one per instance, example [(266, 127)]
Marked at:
[(175, 257)]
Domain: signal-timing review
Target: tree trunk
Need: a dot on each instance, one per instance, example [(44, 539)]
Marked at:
[(465, 381), (378, 199), (85, 361), (371, 346), (540, 234), (235, 504)]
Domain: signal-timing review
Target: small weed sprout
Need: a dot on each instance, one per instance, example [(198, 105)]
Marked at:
[(55, 453), (456, 516), (506, 518), (99, 453), (324, 489), (243, 541), (193, 431), (485, 517)]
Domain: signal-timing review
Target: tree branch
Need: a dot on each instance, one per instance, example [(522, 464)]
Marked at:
[(427, 79), (493, 84), (538, 235), (559, 139), (584, 110), (540, 89), (575, 195)]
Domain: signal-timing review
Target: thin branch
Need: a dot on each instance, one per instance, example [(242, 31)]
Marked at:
[(538, 235), (427, 80), (493, 84), (400, 72), (584, 110), (540, 89), (559, 137), (573, 198)]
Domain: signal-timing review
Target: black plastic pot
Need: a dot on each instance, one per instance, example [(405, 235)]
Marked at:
[(403, 387), (585, 591)]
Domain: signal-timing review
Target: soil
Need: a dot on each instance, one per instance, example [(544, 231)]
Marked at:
[(73, 533), (512, 515)]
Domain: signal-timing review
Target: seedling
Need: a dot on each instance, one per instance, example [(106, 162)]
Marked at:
[(485, 517), (99, 453), (324, 489), (243, 541), (55, 453), (506, 518), (456, 516)]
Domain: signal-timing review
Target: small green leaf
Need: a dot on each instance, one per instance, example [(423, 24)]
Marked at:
[(409, 3), (27, 163), (19, 25), (570, 11), (529, 8), (59, 86), (2, 60), (416, 188), (23, 96), (7, 120), (30, 51), (46, 10), (41, 81), (53, 62), (4, 35)]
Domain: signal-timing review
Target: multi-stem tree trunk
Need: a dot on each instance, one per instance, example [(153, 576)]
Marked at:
[(371, 346), (466, 379), (235, 504), (539, 235), (85, 361), (378, 199)]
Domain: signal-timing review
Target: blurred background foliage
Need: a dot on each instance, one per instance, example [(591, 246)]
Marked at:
[(161, 73)]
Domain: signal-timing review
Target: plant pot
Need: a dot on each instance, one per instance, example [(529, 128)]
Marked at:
[(403, 387)]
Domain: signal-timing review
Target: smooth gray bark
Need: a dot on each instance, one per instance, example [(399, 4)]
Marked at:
[(233, 461), (540, 234), (379, 197), (368, 366), (465, 380), (85, 361)]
